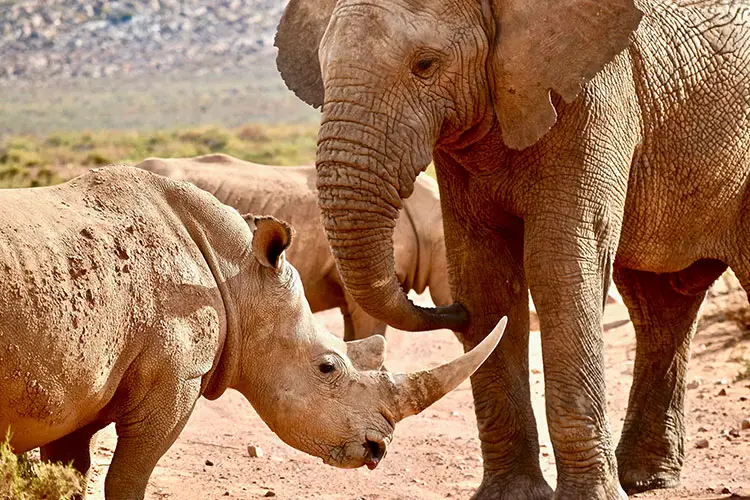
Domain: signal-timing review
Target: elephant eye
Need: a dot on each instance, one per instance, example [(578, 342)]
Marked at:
[(326, 367), (425, 66)]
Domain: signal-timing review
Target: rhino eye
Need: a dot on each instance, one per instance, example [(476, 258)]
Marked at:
[(326, 367)]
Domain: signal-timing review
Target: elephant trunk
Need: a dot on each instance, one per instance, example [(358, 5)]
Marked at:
[(359, 203)]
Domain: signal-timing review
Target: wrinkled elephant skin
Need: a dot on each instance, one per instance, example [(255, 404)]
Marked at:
[(575, 141)]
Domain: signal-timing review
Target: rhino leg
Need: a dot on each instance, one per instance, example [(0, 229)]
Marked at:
[(145, 433), (358, 324), (75, 448)]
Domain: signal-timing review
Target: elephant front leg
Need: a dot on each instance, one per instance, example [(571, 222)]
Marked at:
[(651, 449), (358, 324), (569, 274), (487, 277)]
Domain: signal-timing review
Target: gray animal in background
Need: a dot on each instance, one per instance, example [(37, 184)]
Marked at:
[(289, 193), (125, 296)]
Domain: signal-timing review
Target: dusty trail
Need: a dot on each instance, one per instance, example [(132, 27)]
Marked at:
[(436, 454)]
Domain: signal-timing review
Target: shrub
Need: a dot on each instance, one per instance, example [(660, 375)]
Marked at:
[(252, 133), (744, 373), (24, 479), (212, 138), (97, 159), (22, 157)]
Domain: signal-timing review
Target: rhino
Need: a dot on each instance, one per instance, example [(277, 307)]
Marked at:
[(125, 296), (289, 193)]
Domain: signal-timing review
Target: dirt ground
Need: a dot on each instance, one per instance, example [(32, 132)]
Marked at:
[(436, 454)]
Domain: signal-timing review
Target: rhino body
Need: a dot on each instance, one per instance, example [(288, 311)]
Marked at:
[(289, 193), (125, 296)]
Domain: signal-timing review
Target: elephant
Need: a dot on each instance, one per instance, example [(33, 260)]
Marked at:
[(289, 193), (126, 296), (574, 142)]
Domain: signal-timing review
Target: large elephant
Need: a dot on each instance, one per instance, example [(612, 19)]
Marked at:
[(573, 140)]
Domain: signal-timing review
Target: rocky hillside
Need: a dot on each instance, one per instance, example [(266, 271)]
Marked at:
[(68, 39)]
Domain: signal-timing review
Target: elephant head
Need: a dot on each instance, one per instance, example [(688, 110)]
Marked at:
[(322, 395), (398, 79)]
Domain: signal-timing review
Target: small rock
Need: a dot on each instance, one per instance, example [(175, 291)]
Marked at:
[(226, 493), (735, 433), (209, 463), (701, 443), (455, 414), (254, 451), (269, 493), (722, 392), (721, 382), (702, 429), (725, 490), (694, 384), (745, 423)]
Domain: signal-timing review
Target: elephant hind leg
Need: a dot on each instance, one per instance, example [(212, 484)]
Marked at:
[(358, 324), (664, 309)]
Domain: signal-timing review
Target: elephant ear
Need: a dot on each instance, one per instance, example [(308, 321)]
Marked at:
[(298, 37), (551, 45)]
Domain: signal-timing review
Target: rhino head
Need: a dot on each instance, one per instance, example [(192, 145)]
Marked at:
[(319, 394)]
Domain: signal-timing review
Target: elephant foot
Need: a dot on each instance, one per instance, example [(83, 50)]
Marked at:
[(495, 487), (608, 490), (641, 469), (643, 477)]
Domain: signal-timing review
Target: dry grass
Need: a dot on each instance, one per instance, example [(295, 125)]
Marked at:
[(744, 373), (30, 160), (25, 479)]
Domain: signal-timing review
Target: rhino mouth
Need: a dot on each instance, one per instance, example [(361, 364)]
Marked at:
[(375, 451)]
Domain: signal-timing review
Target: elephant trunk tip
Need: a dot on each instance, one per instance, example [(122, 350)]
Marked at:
[(454, 317)]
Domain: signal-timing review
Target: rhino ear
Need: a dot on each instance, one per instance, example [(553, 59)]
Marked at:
[(270, 238), (551, 45), (298, 37), (367, 353)]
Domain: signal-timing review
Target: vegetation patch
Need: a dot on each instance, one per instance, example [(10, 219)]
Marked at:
[(744, 373), (22, 478), (33, 160)]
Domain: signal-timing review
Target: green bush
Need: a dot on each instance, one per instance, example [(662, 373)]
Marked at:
[(744, 373), (213, 139), (27, 160), (22, 157), (24, 479), (96, 159)]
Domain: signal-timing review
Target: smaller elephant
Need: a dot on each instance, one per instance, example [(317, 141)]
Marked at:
[(289, 193), (126, 296)]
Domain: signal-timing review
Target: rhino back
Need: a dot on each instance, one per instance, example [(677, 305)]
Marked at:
[(89, 270), (288, 193)]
